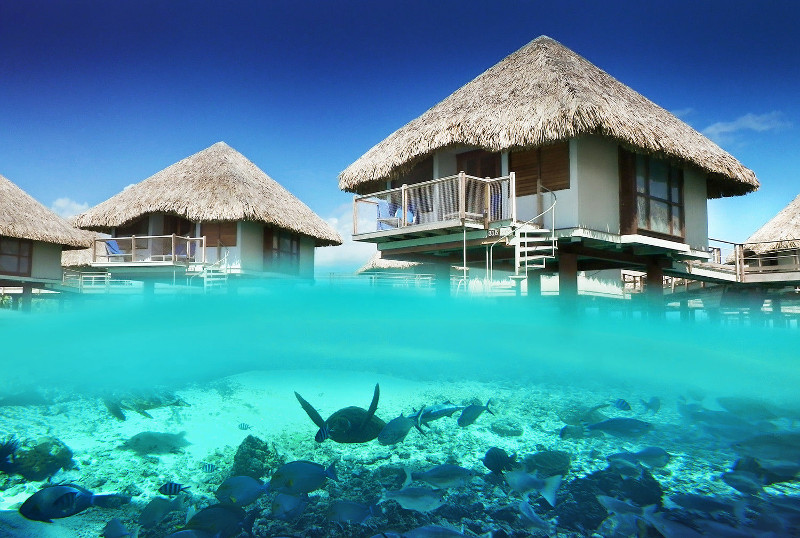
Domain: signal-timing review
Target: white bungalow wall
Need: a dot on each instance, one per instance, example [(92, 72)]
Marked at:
[(46, 261)]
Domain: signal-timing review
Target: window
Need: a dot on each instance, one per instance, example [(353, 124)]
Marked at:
[(281, 251), (219, 234), (651, 196), (548, 164), (15, 256), (479, 163), (178, 226), (134, 227)]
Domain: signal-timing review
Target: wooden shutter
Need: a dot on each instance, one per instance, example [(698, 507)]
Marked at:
[(550, 163), (219, 233)]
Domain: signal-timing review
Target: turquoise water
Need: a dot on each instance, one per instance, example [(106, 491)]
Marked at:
[(525, 353)]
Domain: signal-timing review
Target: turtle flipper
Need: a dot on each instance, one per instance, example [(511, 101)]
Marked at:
[(312, 413), (372, 406)]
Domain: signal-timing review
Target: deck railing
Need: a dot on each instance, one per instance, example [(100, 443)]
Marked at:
[(454, 199), (138, 249)]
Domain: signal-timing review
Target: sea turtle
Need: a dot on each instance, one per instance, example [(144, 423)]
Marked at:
[(141, 402), (349, 425)]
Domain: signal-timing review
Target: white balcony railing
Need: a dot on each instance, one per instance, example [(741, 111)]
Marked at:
[(454, 199), (145, 249)]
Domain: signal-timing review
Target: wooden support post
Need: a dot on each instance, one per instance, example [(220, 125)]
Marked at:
[(534, 284), (777, 314), (25, 299), (568, 275), (441, 278), (655, 288)]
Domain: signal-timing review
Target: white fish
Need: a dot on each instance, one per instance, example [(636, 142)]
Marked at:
[(419, 499), (533, 518), (524, 484)]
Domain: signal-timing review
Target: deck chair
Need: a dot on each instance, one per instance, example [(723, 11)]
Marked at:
[(180, 251), (113, 252), (387, 220)]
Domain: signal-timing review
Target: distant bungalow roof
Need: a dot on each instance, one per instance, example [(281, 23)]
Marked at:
[(22, 217), (781, 232), (541, 94), (216, 184)]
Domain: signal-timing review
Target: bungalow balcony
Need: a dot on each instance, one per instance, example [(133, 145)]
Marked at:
[(149, 251), (437, 207)]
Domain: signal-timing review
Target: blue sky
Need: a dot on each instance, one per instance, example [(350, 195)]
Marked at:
[(97, 95)]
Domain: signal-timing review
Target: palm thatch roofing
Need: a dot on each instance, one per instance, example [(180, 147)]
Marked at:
[(216, 184), (377, 263), (781, 232), (22, 217), (541, 94)]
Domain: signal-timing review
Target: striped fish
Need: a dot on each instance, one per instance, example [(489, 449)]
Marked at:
[(209, 467), (244, 426), (172, 488)]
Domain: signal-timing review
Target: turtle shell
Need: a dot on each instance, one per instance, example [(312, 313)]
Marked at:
[(347, 426)]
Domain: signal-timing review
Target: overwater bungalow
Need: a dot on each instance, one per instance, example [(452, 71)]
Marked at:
[(775, 247), (212, 215), (544, 164), (32, 238)]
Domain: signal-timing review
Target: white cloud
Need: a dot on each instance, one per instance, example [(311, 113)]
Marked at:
[(723, 130), (68, 208), (682, 112), (348, 256)]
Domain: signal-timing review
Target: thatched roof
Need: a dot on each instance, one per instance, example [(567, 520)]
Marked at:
[(84, 257), (781, 232), (216, 184), (24, 218), (379, 264), (541, 94)]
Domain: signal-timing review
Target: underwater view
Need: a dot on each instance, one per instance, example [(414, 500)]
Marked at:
[(333, 409)]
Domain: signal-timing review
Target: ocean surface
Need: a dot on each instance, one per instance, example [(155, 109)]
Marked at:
[(569, 388)]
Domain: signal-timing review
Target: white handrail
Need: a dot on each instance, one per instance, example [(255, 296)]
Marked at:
[(527, 222)]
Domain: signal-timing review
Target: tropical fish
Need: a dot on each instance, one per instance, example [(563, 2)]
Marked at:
[(172, 488), (287, 507), (622, 427), (533, 518), (626, 468), (437, 411), (497, 460), (471, 413), (240, 490), (525, 484), (115, 529), (114, 408), (651, 456), (445, 476), (772, 447), (64, 500), (704, 504), (156, 443), (298, 477), (622, 405), (397, 429), (744, 482), (8, 451), (748, 408), (349, 425), (208, 467), (571, 432), (770, 474), (156, 510), (218, 520), (652, 405), (244, 426), (419, 499), (351, 511), (618, 507)]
